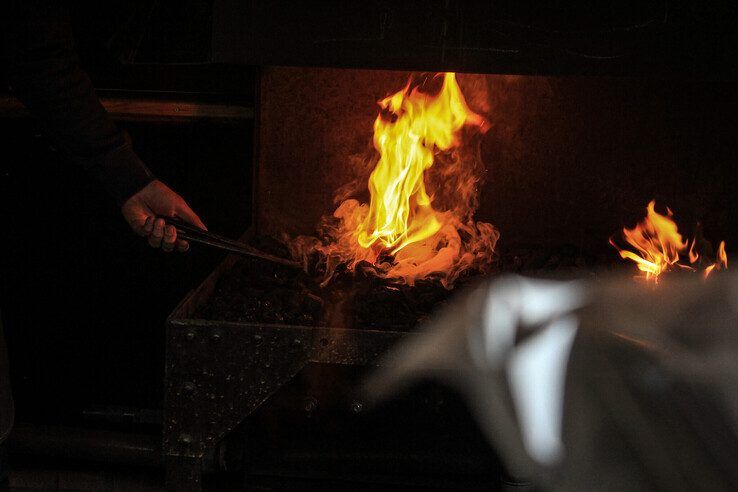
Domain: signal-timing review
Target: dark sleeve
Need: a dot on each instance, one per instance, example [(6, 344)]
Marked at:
[(45, 74)]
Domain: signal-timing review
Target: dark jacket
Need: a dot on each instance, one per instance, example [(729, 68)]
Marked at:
[(44, 73)]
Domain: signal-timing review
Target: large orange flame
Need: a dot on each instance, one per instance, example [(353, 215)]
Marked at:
[(401, 231), (658, 245), (400, 212)]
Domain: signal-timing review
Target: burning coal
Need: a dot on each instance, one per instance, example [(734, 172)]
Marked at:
[(658, 247), (423, 194)]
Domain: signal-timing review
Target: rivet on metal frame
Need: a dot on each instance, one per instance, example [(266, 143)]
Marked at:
[(310, 404)]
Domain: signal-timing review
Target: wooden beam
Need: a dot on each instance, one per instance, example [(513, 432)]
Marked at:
[(155, 110)]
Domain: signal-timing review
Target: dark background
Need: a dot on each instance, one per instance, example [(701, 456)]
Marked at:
[(83, 299), (564, 37)]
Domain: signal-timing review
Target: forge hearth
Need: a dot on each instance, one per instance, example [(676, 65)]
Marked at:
[(252, 326), (254, 291), (567, 163)]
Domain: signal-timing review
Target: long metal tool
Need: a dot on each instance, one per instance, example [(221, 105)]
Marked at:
[(194, 234)]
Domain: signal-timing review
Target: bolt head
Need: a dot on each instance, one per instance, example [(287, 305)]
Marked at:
[(310, 404)]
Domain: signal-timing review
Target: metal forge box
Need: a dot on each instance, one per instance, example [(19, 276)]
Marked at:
[(567, 161)]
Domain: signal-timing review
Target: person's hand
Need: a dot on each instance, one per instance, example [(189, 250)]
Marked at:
[(154, 199)]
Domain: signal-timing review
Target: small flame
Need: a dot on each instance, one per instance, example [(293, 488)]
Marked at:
[(693, 255), (658, 245), (722, 260), (407, 232)]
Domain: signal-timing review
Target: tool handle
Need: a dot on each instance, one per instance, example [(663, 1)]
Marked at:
[(192, 233)]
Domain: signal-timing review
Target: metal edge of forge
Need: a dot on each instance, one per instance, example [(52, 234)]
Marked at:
[(219, 372)]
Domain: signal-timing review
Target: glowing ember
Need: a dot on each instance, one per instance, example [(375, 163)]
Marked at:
[(658, 246), (406, 231)]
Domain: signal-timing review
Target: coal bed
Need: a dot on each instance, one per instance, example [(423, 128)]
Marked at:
[(256, 291)]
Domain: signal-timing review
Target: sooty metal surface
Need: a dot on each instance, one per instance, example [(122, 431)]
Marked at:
[(218, 372)]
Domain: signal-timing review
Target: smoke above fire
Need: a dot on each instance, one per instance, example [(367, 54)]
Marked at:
[(419, 222)]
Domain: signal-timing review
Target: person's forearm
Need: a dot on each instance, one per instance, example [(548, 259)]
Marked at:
[(45, 74)]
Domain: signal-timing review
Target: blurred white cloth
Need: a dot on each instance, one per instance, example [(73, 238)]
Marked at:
[(511, 336), (536, 367), (606, 385)]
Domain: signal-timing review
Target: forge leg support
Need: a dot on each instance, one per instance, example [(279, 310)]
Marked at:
[(215, 377)]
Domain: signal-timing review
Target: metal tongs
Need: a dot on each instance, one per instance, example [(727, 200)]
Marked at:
[(194, 234)]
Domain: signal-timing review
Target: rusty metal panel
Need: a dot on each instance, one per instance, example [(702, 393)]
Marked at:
[(568, 160)]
